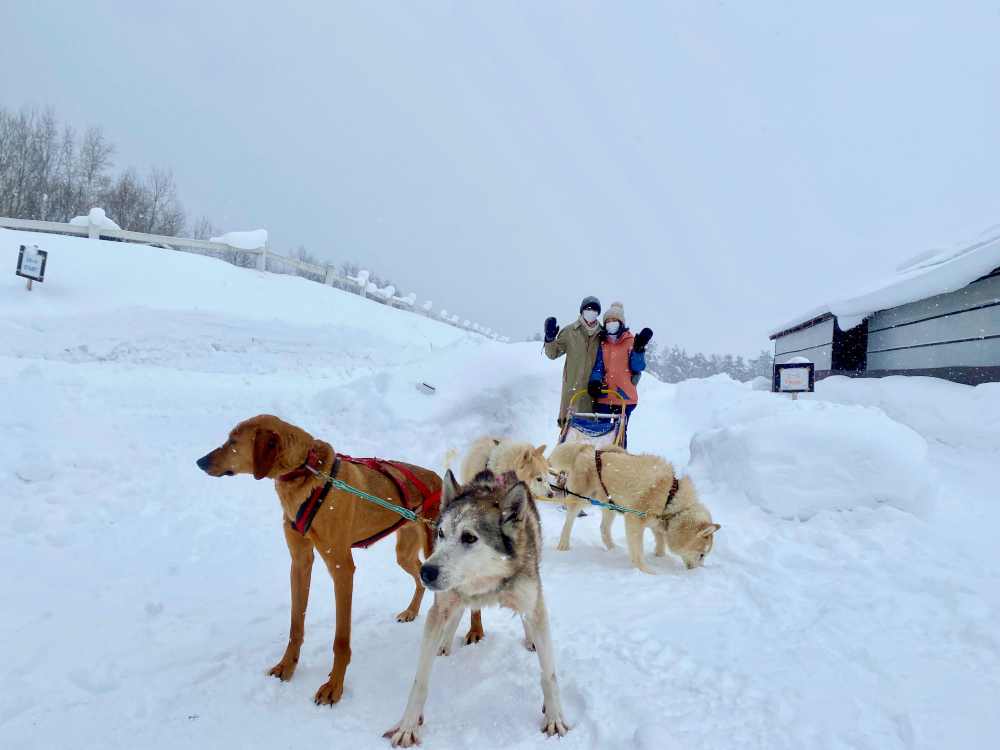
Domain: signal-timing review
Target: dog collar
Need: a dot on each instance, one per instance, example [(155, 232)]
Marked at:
[(312, 464)]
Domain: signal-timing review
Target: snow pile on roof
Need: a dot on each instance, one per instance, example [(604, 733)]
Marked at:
[(95, 217), (809, 456), (925, 275), (254, 239)]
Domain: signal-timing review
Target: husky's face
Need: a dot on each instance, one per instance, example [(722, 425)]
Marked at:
[(476, 535), (533, 470)]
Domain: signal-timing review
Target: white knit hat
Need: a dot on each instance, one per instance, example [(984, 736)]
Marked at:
[(615, 312)]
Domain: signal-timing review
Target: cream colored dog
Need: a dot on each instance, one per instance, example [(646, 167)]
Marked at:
[(499, 455), (642, 482)]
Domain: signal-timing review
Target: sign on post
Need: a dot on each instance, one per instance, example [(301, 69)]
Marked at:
[(794, 377), (31, 263)]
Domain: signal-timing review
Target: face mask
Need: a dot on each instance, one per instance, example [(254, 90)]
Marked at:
[(613, 327), (590, 315)]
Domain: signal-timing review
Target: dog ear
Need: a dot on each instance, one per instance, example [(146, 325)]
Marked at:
[(540, 450), (514, 504), (709, 529), (450, 489), (266, 447)]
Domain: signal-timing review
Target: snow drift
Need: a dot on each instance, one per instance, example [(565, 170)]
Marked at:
[(814, 456), (144, 602)]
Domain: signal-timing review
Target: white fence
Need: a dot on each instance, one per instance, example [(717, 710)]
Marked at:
[(265, 260)]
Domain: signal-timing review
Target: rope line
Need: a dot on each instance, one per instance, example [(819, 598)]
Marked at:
[(406, 513), (593, 501)]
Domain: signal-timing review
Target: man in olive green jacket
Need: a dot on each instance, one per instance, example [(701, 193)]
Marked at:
[(579, 342)]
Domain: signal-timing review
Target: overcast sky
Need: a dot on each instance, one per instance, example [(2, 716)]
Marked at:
[(719, 167)]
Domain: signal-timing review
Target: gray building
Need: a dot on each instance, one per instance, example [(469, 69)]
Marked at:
[(939, 316)]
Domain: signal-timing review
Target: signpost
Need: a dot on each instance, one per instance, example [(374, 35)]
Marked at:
[(31, 263), (794, 378)]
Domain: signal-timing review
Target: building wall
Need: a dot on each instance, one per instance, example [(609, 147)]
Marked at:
[(815, 343), (957, 330)]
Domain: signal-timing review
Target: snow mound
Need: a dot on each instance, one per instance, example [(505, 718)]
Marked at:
[(956, 415), (95, 217), (254, 239), (813, 456)]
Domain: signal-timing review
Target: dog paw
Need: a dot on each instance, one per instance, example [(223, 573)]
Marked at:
[(610, 546), (474, 636), (530, 646), (407, 615), (553, 726), (660, 553), (329, 693), (404, 735), (284, 669), (563, 546), (647, 570), (445, 650)]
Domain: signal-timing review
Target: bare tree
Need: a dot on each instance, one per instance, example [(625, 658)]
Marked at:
[(163, 212), (203, 229), (93, 166), (125, 201)]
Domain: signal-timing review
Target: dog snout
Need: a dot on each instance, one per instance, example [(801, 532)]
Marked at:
[(204, 462), (429, 574)]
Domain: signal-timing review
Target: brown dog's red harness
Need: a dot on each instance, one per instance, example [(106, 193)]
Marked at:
[(413, 493)]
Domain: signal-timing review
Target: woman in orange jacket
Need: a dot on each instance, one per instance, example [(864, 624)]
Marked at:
[(621, 359)]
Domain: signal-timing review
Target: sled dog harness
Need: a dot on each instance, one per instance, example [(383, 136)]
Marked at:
[(597, 463), (674, 486), (412, 492)]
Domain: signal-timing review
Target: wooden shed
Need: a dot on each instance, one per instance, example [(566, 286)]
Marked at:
[(939, 316)]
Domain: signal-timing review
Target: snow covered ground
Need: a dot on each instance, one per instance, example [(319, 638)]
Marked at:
[(851, 601)]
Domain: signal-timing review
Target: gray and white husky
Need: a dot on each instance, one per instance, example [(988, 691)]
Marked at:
[(487, 551)]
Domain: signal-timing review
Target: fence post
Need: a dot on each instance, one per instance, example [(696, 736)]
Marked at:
[(331, 274), (93, 232)]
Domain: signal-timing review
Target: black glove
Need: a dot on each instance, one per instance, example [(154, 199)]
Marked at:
[(595, 388), (551, 329), (639, 345)]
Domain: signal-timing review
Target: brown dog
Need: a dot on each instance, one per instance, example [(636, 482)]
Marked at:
[(265, 446)]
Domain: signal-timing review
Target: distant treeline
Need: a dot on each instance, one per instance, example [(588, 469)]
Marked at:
[(675, 364), (50, 171)]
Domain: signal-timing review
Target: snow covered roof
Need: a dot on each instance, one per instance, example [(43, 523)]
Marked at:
[(925, 275)]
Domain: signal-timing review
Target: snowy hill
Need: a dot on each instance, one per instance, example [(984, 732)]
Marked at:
[(851, 600)]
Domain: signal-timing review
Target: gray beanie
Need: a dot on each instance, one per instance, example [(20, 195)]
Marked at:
[(590, 302)]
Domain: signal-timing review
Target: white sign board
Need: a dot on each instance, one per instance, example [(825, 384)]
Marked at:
[(794, 377), (31, 262)]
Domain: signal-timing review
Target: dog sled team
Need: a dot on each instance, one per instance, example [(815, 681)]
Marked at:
[(480, 537)]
